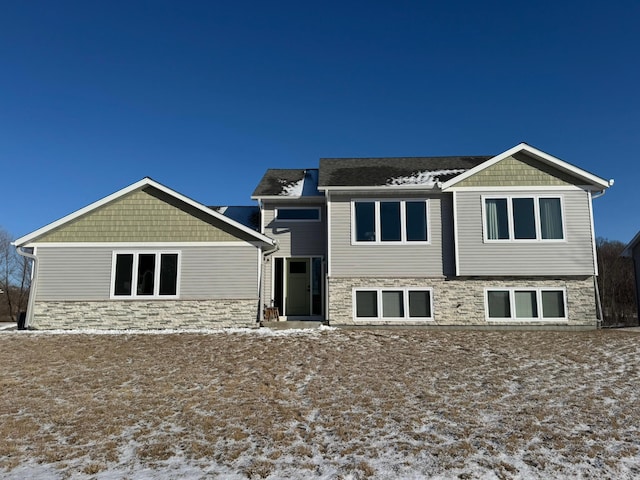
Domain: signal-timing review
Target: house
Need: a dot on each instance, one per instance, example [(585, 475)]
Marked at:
[(145, 257), (632, 249), (497, 241)]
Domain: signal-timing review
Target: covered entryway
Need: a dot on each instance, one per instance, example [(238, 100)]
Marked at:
[(298, 287)]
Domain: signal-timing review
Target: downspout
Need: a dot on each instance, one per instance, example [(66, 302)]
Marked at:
[(595, 259), (33, 287), (598, 302), (265, 254)]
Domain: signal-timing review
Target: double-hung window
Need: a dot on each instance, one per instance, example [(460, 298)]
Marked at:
[(145, 274), (523, 218), (390, 221), (525, 304), (393, 304)]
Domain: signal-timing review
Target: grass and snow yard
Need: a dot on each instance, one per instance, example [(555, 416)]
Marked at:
[(320, 404)]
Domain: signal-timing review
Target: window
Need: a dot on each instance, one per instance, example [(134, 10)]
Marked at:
[(525, 304), (523, 218), (393, 304), (145, 274), (390, 221), (298, 214)]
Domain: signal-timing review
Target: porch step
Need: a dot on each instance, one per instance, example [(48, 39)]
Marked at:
[(290, 324)]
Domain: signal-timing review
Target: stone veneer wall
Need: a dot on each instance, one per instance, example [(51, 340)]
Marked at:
[(460, 301), (140, 315)]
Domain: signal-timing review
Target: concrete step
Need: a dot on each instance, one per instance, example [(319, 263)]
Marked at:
[(290, 324)]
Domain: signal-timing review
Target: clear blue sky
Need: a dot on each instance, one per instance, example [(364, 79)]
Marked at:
[(203, 96)]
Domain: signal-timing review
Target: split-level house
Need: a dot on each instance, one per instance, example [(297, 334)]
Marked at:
[(495, 241)]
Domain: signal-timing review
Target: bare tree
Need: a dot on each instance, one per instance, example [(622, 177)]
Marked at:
[(15, 279), (616, 284)]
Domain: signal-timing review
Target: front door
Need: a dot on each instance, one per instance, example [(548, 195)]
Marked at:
[(298, 286)]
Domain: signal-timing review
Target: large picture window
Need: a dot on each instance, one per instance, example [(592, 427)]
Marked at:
[(145, 274), (526, 304), (393, 304), (390, 221), (523, 218)]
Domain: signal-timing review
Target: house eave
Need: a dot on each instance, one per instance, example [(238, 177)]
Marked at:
[(628, 249)]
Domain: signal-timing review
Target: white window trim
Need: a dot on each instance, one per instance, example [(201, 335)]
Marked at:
[(536, 210), (405, 303), (301, 220), (512, 304), (156, 279), (403, 221)]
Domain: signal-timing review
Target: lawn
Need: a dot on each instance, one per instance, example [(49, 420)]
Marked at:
[(320, 404)]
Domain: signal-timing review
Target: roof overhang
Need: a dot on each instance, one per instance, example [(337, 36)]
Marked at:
[(592, 181), (145, 182), (628, 250)]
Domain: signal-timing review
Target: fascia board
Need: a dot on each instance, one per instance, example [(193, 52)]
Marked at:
[(135, 186), (538, 154), (378, 188)]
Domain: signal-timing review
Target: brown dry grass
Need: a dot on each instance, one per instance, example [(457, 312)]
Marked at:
[(344, 402)]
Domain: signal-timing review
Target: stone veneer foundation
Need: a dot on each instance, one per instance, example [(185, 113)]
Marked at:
[(141, 315), (460, 301)]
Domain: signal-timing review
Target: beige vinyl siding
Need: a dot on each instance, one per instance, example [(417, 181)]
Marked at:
[(207, 272), (73, 273), (146, 215), (295, 238), (392, 260), (574, 256), (219, 272), (519, 170)]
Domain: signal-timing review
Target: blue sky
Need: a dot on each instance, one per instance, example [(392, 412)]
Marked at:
[(204, 96)]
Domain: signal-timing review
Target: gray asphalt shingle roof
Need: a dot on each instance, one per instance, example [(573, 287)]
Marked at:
[(363, 172), (288, 183), (368, 172)]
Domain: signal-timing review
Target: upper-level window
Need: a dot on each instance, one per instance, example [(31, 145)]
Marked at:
[(145, 274), (298, 214), (523, 218), (381, 221)]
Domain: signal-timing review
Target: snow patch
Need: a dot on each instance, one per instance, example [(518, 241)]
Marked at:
[(428, 178)]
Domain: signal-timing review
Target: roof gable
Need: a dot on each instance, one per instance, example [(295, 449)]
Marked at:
[(145, 211), (524, 165)]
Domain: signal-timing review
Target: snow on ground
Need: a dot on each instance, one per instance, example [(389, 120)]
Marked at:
[(320, 404)]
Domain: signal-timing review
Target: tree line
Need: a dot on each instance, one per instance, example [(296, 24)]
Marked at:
[(15, 280), (615, 282)]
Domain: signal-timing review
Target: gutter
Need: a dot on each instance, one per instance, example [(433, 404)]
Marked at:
[(34, 283)]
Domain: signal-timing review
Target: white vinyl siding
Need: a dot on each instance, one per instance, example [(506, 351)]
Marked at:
[(571, 256), (392, 259)]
